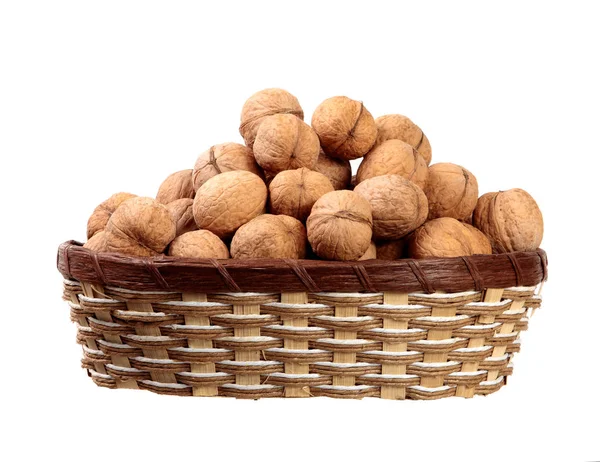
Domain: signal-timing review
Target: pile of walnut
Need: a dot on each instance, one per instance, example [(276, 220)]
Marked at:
[(289, 193)]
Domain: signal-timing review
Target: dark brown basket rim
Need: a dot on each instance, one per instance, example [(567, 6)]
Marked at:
[(170, 274)]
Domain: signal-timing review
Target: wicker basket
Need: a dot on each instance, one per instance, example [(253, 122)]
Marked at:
[(401, 329)]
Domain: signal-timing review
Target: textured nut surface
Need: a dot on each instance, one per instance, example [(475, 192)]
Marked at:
[(141, 226), (371, 253), (198, 244), (451, 191), (177, 185), (511, 220), (297, 230), (340, 226), (394, 157), (227, 201), (221, 158), (339, 171), (480, 244), (398, 205), (391, 250), (265, 236), (294, 192), (97, 242), (101, 214), (284, 142), (183, 214), (399, 127), (263, 104), (345, 127), (442, 237)]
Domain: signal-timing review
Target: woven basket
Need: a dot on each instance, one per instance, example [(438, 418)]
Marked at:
[(400, 329)]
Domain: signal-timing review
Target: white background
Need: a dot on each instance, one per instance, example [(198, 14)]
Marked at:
[(99, 97)]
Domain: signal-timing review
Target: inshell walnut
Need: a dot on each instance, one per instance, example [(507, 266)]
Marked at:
[(391, 250), (442, 237), (394, 157), (227, 201), (339, 171), (284, 142), (480, 243), (451, 191), (178, 185), (371, 253), (511, 220), (294, 192), (340, 226), (345, 127), (102, 213), (398, 205), (183, 214), (399, 127), (140, 226), (266, 236), (198, 244), (263, 104), (97, 242), (297, 230), (221, 158)]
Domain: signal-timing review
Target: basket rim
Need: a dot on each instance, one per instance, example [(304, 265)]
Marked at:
[(174, 274)]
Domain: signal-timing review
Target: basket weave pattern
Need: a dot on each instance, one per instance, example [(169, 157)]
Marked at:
[(390, 344)]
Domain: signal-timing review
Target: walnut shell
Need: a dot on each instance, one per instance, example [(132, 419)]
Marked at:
[(480, 244), (394, 157), (294, 192), (102, 213), (225, 157), (398, 205), (391, 250), (198, 244), (371, 253), (141, 226), (229, 200), (297, 230), (183, 214), (441, 237), (399, 127), (345, 127), (265, 236), (97, 242), (451, 191), (263, 104), (178, 185), (284, 142), (339, 171), (340, 226), (511, 220)]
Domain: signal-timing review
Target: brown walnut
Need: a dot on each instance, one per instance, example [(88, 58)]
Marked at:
[(183, 214), (178, 185), (391, 250), (266, 236), (442, 237), (102, 213), (371, 253), (198, 244), (399, 127), (339, 171), (97, 242), (451, 191)]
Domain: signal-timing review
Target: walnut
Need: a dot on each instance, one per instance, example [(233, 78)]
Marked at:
[(451, 191), (198, 244), (394, 157), (480, 244), (97, 242), (511, 220), (398, 205), (222, 158), (340, 226), (227, 201), (284, 142), (183, 214), (101, 214), (263, 104), (371, 253), (266, 236), (294, 192), (178, 185), (141, 226), (391, 250), (345, 127), (399, 127), (297, 230), (442, 237), (339, 171)]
